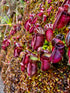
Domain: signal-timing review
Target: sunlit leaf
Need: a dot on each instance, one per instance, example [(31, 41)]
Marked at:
[(33, 58)]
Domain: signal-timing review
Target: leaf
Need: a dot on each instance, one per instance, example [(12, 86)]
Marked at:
[(47, 55), (21, 1), (6, 20), (44, 47), (46, 42), (33, 58), (39, 65)]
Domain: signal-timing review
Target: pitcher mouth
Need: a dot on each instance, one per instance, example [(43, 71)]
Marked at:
[(60, 46), (58, 43), (65, 13), (60, 36)]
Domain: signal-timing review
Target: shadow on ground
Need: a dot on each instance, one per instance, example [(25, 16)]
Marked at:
[(1, 84)]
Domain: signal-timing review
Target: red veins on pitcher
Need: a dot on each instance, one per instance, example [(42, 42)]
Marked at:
[(45, 63), (31, 69), (63, 15), (5, 44), (29, 64), (68, 44), (49, 34), (58, 50), (37, 41), (68, 39), (17, 50)]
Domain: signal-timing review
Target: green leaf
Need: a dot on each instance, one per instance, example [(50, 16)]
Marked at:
[(44, 47), (6, 20), (39, 65), (33, 58), (47, 55), (21, 1)]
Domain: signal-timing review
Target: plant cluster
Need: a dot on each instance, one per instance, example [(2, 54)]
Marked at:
[(40, 33)]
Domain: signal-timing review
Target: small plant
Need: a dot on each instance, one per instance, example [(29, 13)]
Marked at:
[(6, 20)]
